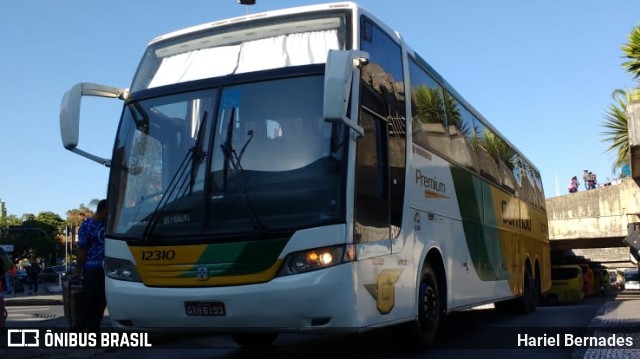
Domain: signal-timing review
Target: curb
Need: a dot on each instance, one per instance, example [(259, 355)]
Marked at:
[(51, 295)]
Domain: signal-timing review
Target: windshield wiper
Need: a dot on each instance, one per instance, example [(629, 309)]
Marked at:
[(232, 158), (191, 160), (198, 153), (178, 180)]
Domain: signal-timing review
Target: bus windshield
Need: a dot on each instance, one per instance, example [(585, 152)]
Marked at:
[(238, 160)]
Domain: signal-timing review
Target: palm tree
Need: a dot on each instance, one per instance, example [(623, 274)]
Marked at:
[(617, 128), (632, 52), (615, 120)]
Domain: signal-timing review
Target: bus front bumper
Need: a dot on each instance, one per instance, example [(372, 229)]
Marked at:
[(322, 301)]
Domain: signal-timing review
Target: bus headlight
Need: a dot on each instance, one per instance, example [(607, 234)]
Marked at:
[(317, 258), (120, 269)]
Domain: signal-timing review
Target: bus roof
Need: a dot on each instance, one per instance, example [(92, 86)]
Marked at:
[(262, 15)]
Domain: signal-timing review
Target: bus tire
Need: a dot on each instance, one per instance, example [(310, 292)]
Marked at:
[(254, 340), (527, 303), (537, 288), (422, 332), (539, 297)]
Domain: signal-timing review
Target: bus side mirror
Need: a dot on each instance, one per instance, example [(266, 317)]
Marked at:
[(342, 76), (70, 114)]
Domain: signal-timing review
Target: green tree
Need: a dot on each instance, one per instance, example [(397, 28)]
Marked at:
[(617, 128), (615, 118), (35, 237), (52, 220), (632, 52), (5, 223)]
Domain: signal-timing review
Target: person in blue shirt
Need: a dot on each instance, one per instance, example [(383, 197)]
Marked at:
[(89, 268), (5, 265)]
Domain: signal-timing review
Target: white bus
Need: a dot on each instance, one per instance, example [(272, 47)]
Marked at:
[(304, 170)]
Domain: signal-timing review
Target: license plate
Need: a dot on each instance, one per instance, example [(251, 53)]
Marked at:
[(205, 309)]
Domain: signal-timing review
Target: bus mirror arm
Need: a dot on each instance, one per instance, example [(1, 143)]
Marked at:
[(70, 114), (342, 75)]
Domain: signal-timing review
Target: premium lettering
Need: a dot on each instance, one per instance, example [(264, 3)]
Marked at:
[(430, 183)]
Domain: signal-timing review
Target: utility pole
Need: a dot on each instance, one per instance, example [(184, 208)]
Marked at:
[(66, 246)]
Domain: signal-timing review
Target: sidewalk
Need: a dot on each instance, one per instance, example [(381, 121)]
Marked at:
[(48, 294), (617, 317)]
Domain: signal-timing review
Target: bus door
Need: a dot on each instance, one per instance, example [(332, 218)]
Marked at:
[(381, 151), (379, 180)]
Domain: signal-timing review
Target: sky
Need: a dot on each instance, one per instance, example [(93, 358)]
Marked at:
[(542, 72)]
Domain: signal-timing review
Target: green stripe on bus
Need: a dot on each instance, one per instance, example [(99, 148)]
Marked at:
[(239, 258), (474, 197)]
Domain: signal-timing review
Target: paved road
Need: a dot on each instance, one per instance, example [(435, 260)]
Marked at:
[(617, 316)]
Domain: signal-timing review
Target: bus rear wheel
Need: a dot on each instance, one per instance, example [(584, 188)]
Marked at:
[(529, 299), (526, 303), (254, 340)]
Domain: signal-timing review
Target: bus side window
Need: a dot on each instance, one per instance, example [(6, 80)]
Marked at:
[(428, 116), (460, 123)]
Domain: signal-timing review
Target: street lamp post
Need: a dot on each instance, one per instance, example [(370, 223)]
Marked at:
[(66, 246)]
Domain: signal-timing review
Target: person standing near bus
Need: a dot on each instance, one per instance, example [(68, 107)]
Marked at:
[(89, 269), (33, 276), (5, 265)]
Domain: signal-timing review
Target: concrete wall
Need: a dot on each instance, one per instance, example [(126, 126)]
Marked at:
[(597, 213)]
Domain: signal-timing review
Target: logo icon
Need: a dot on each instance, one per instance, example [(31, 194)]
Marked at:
[(202, 273), (23, 338)]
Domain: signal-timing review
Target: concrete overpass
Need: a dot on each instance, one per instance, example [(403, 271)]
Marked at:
[(594, 223)]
